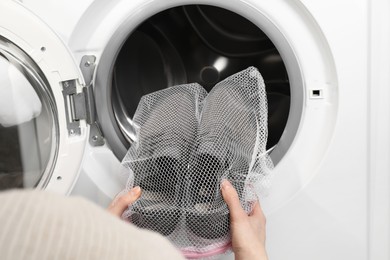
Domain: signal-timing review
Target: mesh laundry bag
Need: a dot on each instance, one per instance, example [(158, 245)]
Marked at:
[(188, 141)]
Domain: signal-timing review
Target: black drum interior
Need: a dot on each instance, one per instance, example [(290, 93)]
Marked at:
[(197, 43)]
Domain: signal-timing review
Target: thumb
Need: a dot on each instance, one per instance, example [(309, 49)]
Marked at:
[(119, 204), (230, 196)]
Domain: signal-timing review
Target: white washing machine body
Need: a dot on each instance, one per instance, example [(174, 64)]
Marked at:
[(330, 190), (36, 46)]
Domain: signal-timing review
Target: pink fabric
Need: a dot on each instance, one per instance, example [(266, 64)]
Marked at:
[(189, 254)]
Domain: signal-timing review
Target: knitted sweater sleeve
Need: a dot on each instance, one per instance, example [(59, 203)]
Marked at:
[(43, 225)]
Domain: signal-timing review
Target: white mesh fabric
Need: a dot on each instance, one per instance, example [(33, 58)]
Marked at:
[(188, 141)]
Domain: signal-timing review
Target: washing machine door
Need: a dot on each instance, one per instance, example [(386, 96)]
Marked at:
[(43, 128)]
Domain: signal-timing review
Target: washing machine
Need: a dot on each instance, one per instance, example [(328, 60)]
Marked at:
[(80, 68)]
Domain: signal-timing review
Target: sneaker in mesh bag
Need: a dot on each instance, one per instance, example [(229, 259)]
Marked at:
[(167, 123), (233, 127)]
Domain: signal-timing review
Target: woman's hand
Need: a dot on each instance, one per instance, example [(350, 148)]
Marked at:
[(120, 203), (248, 232)]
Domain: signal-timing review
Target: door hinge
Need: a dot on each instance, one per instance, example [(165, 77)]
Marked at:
[(75, 106), (81, 105)]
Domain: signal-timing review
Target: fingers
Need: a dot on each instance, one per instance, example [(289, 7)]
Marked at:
[(257, 212), (119, 205), (230, 196)]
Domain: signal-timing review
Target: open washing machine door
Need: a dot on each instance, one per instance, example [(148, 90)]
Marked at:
[(44, 99)]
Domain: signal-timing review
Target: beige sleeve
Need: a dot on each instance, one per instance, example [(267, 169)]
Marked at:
[(43, 225)]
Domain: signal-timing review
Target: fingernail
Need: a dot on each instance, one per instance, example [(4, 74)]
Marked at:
[(135, 190), (225, 184)]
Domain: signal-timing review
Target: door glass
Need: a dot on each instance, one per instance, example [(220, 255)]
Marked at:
[(28, 121)]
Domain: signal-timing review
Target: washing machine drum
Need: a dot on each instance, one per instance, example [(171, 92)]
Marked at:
[(195, 43), (187, 142)]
